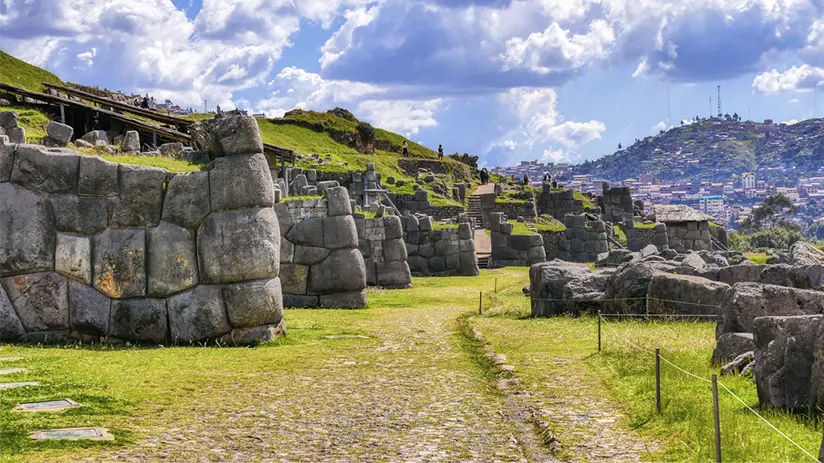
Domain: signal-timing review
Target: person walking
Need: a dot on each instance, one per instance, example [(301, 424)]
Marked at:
[(405, 148), (526, 180), (440, 152)]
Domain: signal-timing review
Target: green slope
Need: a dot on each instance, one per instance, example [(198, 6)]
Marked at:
[(22, 74)]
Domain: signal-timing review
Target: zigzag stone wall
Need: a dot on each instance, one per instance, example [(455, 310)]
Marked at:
[(93, 250), (321, 265), (513, 250), (447, 252), (384, 252)]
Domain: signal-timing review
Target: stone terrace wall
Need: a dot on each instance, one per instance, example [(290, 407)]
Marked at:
[(94, 250), (686, 236), (556, 245), (639, 238), (558, 204), (515, 209), (586, 240), (384, 252), (449, 252), (513, 250), (321, 265), (617, 203)]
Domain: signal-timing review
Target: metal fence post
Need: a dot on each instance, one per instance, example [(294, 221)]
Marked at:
[(716, 418), (599, 331), (496, 286), (481, 303), (658, 379)]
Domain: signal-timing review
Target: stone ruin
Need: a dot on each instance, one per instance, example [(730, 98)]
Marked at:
[(10, 128), (638, 238), (510, 249), (93, 250), (381, 243), (559, 203), (445, 252), (617, 204), (587, 239)]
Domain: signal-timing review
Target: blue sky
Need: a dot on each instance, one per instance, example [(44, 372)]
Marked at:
[(508, 80)]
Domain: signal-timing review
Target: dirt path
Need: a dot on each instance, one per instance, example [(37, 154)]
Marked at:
[(483, 243), (484, 189)]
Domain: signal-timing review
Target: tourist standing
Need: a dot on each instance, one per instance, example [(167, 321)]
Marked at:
[(440, 152), (526, 180), (405, 148)]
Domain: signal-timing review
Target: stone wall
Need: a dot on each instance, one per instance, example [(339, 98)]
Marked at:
[(447, 252), (556, 245), (586, 239), (616, 202), (321, 265), (93, 250), (559, 203), (689, 236), (513, 250), (384, 252), (516, 209), (639, 238)]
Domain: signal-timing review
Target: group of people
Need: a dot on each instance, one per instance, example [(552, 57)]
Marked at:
[(146, 103), (484, 174), (552, 181)]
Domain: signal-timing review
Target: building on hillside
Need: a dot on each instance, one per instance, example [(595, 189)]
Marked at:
[(748, 180), (711, 205), (687, 228)]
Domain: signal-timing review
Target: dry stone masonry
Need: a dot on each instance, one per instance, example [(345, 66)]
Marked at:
[(384, 252), (94, 250), (586, 239), (445, 252), (638, 238), (321, 265), (513, 250), (559, 203), (617, 203)]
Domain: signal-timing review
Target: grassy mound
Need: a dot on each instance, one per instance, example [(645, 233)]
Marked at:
[(22, 74), (32, 120)]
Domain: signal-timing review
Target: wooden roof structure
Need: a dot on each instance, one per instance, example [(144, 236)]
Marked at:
[(677, 213)]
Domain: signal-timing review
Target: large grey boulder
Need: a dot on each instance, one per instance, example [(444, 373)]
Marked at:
[(254, 303), (803, 253), (746, 271), (27, 235), (394, 275), (16, 135), (8, 120), (222, 260), (41, 300), (48, 171), (96, 136), (694, 262), (294, 278), (187, 199), (253, 335), (131, 142), (784, 360), (745, 302), (342, 272), (236, 135), (731, 345), (309, 232), (6, 157), (628, 288), (241, 181), (10, 326), (685, 295), (119, 269), (197, 315), (308, 255), (353, 300), (338, 201), (59, 133), (172, 260), (173, 150), (546, 285), (340, 232), (139, 320), (98, 177), (73, 257), (89, 309), (80, 215), (141, 197)]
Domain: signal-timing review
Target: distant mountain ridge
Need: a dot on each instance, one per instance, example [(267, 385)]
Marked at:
[(719, 149)]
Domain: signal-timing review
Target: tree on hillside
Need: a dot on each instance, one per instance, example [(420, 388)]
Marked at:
[(736, 117), (619, 145), (769, 214), (366, 132)]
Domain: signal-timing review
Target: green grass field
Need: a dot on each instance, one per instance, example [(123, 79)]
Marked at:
[(32, 120), (22, 74), (758, 258)]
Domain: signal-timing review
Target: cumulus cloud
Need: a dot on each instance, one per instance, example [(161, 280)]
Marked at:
[(574, 134), (796, 78), (655, 129)]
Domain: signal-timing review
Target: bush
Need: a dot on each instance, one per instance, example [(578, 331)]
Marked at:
[(739, 241), (775, 238), (366, 132)]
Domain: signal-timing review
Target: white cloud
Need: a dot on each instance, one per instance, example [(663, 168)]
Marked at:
[(796, 78), (341, 40), (404, 116), (553, 155), (574, 134), (655, 129)]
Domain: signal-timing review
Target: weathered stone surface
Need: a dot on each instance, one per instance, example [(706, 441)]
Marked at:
[(223, 261), (300, 301), (338, 201), (172, 260), (694, 261), (76, 214), (10, 326), (628, 288), (27, 235), (294, 278), (98, 177), (119, 269), (546, 284), (284, 218), (342, 272), (41, 300), (51, 171), (141, 197), (254, 303), (6, 158), (353, 300), (16, 135), (139, 320), (803, 253), (309, 232), (739, 364), (393, 274), (60, 133), (745, 302), (95, 136), (649, 250), (309, 255), (784, 360), (173, 150), (731, 345), (685, 295), (187, 199), (746, 271), (131, 142), (197, 315), (236, 135), (8, 119), (340, 232), (394, 250), (89, 310), (254, 335), (241, 181), (73, 257)]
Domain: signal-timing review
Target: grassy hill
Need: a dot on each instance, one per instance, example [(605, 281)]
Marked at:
[(22, 74), (720, 150)]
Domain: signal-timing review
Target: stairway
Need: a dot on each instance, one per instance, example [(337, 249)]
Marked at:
[(483, 261), (475, 211)]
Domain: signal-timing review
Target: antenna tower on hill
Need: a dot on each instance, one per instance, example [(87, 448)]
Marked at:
[(719, 102)]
